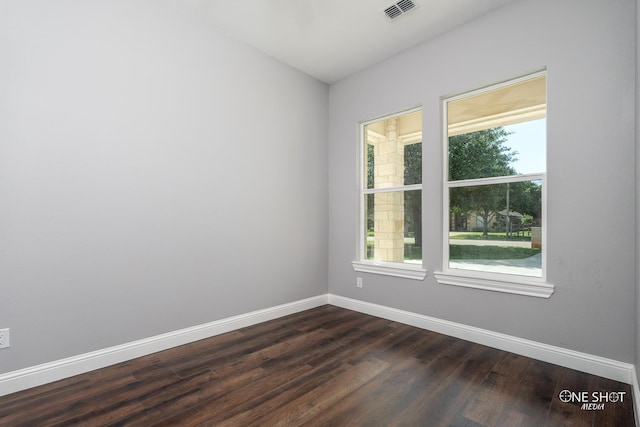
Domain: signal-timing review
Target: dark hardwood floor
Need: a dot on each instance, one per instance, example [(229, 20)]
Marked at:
[(322, 367)]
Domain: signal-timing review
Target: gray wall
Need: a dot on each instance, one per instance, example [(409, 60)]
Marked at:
[(637, 193), (154, 175), (588, 50)]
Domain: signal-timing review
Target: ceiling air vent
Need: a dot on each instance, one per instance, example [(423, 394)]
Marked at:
[(398, 9)]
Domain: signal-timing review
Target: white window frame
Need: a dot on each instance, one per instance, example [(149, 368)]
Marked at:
[(396, 269), (493, 281)]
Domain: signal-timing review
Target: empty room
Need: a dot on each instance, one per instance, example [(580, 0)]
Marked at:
[(312, 212)]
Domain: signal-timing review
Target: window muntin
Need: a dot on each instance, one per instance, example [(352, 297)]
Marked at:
[(494, 195), (391, 191)]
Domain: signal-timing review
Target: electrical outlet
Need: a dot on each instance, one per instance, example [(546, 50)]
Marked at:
[(4, 338), (359, 282)]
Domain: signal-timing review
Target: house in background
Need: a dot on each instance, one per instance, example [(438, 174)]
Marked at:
[(159, 178)]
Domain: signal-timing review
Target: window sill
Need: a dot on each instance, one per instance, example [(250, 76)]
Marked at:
[(521, 287), (406, 271)]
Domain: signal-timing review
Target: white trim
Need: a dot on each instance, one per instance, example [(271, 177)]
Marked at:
[(361, 243), (635, 390), (495, 86), (503, 281), (404, 188), (494, 180), (596, 365), (52, 371), (407, 271), (37, 375), (532, 288), (391, 115)]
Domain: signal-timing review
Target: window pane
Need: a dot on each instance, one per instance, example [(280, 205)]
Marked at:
[(499, 132), (393, 151), (512, 150), (497, 228), (394, 227)]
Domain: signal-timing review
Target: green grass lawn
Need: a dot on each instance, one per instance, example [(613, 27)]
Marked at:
[(492, 236), (468, 252), (490, 252)]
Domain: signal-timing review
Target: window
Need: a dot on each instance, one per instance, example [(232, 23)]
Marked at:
[(494, 206), (390, 238)]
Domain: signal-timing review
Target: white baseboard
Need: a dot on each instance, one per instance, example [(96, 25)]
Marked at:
[(37, 375), (635, 389), (595, 365), (48, 372)]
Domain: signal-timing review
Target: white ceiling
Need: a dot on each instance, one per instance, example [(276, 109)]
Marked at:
[(330, 39)]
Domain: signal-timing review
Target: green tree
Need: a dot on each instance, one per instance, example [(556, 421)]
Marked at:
[(526, 198), (480, 154), (370, 165), (413, 199)]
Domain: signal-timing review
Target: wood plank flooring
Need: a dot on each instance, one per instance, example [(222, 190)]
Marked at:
[(322, 367)]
